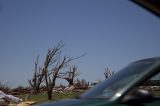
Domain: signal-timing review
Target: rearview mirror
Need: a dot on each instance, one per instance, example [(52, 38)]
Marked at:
[(138, 96)]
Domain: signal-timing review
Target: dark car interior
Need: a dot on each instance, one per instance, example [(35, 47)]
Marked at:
[(145, 94), (151, 5)]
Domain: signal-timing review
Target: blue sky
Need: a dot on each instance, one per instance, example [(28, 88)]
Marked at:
[(113, 33)]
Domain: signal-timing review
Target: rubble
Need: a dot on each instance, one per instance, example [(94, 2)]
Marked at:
[(6, 99)]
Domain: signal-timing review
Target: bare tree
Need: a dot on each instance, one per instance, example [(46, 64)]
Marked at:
[(49, 72), (5, 87), (108, 73), (70, 75), (37, 79), (52, 66)]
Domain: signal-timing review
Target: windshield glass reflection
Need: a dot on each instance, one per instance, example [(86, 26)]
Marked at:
[(111, 86)]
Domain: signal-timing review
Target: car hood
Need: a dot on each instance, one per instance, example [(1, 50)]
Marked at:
[(77, 102)]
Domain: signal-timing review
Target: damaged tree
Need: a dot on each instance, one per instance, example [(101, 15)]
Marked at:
[(52, 66), (37, 79), (70, 75), (108, 73)]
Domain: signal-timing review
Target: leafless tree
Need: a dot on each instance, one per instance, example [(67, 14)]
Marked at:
[(52, 66), (70, 74), (37, 79), (108, 73), (5, 87), (49, 72)]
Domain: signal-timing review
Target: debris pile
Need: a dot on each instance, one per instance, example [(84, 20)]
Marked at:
[(7, 99)]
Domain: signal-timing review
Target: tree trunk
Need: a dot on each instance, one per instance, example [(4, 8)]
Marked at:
[(37, 90), (70, 83), (50, 94)]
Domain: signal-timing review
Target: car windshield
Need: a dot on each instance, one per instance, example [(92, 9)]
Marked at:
[(126, 76)]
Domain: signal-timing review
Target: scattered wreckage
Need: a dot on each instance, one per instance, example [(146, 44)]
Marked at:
[(6, 99)]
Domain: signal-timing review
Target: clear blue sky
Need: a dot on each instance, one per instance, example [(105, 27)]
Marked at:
[(113, 33)]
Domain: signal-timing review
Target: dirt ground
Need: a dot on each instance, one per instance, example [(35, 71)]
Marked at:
[(26, 103)]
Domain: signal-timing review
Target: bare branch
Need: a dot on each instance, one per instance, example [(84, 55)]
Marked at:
[(70, 74), (37, 78), (108, 73)]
